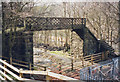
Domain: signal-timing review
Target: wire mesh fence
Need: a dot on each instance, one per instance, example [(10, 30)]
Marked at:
[(106, 70)]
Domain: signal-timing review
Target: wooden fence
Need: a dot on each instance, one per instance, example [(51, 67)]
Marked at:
[(5, 67), (4, 76), (95, 58), (58, 68), (22, 64)]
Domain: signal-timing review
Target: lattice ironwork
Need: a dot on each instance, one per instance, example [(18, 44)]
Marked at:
[(42, 23)]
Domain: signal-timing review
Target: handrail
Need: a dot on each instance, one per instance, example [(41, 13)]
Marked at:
[(10, 66), (1, 78), (33, 72), (17, 77), (11, 73), (55, 75), (62, 77), (5, 75), (47, 73)]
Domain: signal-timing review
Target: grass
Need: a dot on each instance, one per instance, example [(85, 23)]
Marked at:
[(60, 53)]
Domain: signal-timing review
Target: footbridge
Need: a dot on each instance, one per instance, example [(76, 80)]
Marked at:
[(19, 32)]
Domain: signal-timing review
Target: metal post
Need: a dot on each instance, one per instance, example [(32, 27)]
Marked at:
[(113, 70), (100, 73), (90, 73)]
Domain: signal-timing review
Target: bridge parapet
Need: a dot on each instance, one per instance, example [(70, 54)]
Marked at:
[(44, 23)]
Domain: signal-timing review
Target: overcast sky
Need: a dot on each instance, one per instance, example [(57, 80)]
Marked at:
[(61, 0), (78, 0)]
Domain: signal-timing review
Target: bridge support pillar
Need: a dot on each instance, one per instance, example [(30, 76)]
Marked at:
[(19, 46)]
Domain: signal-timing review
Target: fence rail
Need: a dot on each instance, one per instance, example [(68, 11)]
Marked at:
[(5, 67), (58, 68), (21, 72), (22, 63)]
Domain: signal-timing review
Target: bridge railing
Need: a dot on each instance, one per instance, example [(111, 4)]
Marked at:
[(43, 23)]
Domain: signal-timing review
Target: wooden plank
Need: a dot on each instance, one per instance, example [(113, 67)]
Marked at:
[(97, 60), (10, 66), (74, 75), (97, 56), (20, 61), (20, 64), (6, 75), (59, 76), (11, 73), (92, 54), (64, 69), (87, 58), (1, 78), (33, 72), (62, 77), (15, 60), (3, 57)]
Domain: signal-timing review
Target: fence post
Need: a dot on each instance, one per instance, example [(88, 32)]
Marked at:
[(30, 66), (92, 59), (103, 56), (45, 68), (11, 60), (60, 68), (47, 77), (107, 52), (20, 74), (4, 70), (83, 61), (24, 24), (72, 64)]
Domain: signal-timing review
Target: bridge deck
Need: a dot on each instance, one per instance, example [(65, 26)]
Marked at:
[(43, 23)]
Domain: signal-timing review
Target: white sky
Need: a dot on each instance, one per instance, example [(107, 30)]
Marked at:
[(77, 0), (61, 0)]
